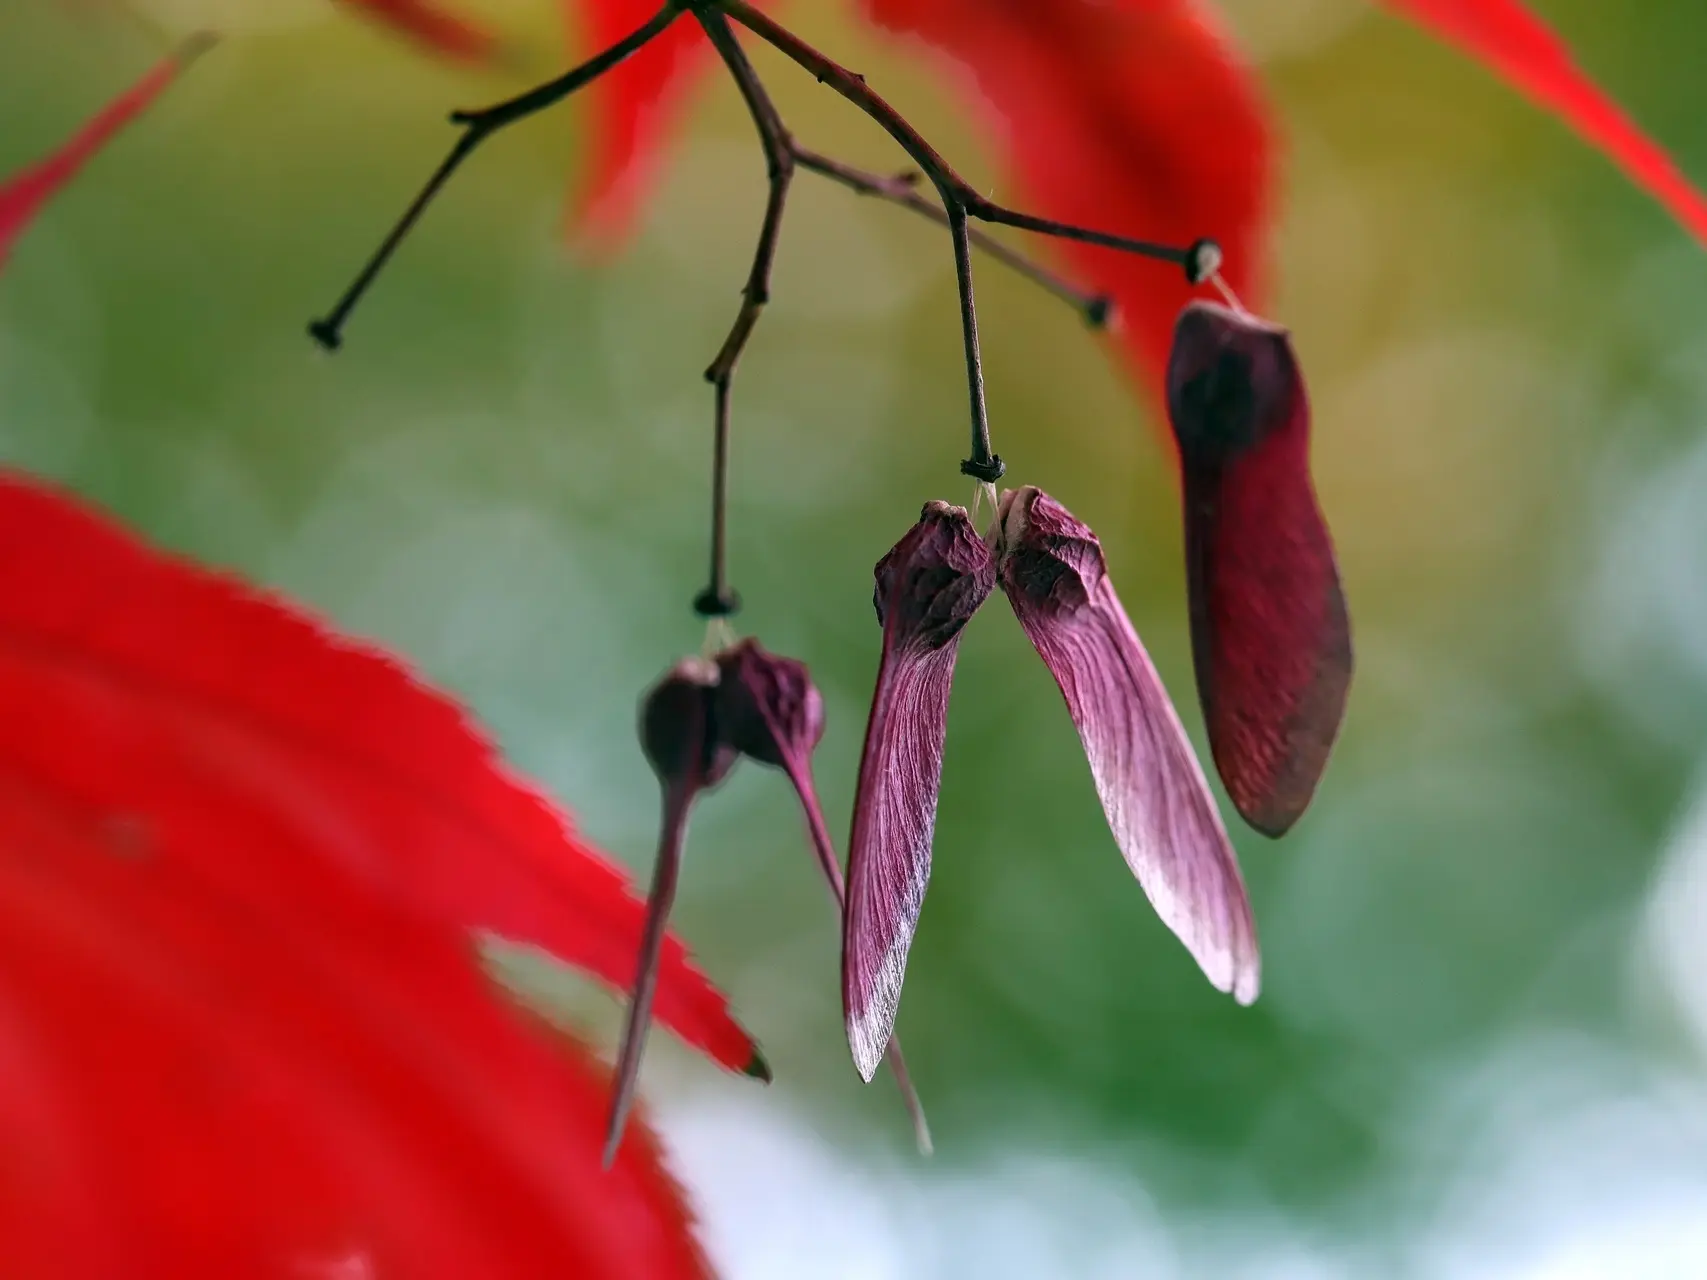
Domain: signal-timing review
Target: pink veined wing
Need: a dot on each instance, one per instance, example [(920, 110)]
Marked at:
[(1152, 789), (928, 586), (770, 709)]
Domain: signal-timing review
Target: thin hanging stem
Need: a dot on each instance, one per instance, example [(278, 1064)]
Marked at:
[(1199, 259), (477, 127), (959, 202), (782, 156), (799, 772), (951, 188), (984, 464), (718, 599), (678, 800)]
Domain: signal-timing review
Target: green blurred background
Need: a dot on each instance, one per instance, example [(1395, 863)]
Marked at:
[(1479, 1050)]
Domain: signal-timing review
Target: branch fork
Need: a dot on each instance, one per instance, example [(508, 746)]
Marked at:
[(957, 206)]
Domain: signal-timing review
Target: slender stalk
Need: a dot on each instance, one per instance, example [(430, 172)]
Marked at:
[(951, 187), (718, 599), (902, 190), (983, 464), (959, 202), (678, 800), (1199, 260), (328, 331), (782, 155), (853, 87), (799, 772), (477, 127)]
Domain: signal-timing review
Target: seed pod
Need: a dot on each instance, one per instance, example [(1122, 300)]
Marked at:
[(1270, 636), (678, 733)]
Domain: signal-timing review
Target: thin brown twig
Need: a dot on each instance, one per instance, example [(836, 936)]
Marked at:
[(782, 155), (960, 202), (853, 87), (985, 463), (477, 126), (950, 186), (1198, 259), (718, 600), (902, 189)]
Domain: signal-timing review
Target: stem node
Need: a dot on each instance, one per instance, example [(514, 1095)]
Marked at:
[(1202, 260), (717, 604), (326, 334)]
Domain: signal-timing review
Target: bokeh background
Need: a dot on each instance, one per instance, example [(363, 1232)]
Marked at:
[(1480, 1046)]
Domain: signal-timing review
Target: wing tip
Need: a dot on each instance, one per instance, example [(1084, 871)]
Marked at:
[(1247, 983), (1234, 964), (868, 1038)]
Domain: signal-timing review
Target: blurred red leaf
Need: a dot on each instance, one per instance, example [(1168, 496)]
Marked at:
[(431, 25), (174, 693), (23, 194), (632, 109), (243, 1030), (1530, 56), (225, 1087)]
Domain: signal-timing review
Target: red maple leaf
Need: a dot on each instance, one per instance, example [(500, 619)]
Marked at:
[(633, 107), (1527, 54), (1132, 116), (243, 1025)]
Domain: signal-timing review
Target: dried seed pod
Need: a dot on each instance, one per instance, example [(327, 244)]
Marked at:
[(678, 733), (1270, 635)]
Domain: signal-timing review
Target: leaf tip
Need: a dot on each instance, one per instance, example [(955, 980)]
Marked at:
[(758, 1067), (195, 45)]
